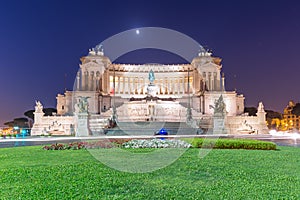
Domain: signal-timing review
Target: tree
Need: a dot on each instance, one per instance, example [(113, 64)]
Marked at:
[(19, 122), (24, 122), (250, 110), (296, 109), (47, 111), (269, 116), (9, 124), (29, 114), (273, 119), (273, 114)]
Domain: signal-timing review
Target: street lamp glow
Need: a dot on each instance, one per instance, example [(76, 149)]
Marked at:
[(137, 31)]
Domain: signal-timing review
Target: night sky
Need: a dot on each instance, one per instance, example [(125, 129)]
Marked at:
[(41, 43)]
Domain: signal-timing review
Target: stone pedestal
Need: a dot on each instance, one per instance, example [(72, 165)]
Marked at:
[(151, 112), (82, 129), (261, 115), (152, 90), (219, 125)]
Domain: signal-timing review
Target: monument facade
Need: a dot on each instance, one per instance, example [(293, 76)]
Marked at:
[(152, 92)]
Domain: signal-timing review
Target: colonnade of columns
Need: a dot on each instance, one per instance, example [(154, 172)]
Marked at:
[(89, 81), (212, 80), (138, 85), (94, 81)]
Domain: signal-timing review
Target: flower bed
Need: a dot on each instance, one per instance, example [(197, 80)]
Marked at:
[(123, 143), (59, 146), (156, 143)]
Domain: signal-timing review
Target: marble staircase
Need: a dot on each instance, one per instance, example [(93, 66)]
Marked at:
[(150, 128), (97, 124)]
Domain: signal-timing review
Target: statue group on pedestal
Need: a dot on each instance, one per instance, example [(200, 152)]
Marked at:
[(38, 107), (82, 105), (260, 107), (219, 107)]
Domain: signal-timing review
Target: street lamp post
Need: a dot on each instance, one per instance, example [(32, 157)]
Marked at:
[(189, 110), (114, 111)]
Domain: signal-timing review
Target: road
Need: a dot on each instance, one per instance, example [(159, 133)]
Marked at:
[(35, 141)]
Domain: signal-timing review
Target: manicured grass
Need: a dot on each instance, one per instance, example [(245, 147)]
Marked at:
[(33, 173)]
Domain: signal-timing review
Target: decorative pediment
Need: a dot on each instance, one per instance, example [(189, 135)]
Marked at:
[(91, 65), (210, 66)]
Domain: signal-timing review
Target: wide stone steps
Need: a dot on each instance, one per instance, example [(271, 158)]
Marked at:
[(150, 128), (97, 124)]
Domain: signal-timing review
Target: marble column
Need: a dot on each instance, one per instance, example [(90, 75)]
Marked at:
[(205, 80), (103, 85), (177, 85), (162, 86), (182, 85), (83, 81), (215, 82), (174, 85), (118, 91), (223, 82), (133, 85), (209, 81), (144, 84), (107, 82), (129, 85), (212, 82), (89, 81), (194, 78), (169, 85), (138, 85), (219, 79), (123, 85), (165, 86), (97, 81), (185, 85), (78, 81)]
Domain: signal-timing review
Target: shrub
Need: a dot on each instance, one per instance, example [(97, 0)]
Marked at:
[(231, 144)]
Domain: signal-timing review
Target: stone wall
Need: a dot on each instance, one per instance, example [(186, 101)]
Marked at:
[(56, 125), (246, 125)]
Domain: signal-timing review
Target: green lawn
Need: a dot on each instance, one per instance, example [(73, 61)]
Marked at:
[(33, 173)]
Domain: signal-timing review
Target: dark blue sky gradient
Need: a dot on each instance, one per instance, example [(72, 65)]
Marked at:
[(41, 41)]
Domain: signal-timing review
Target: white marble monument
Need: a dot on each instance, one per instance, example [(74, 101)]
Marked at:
[(149, 92)]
